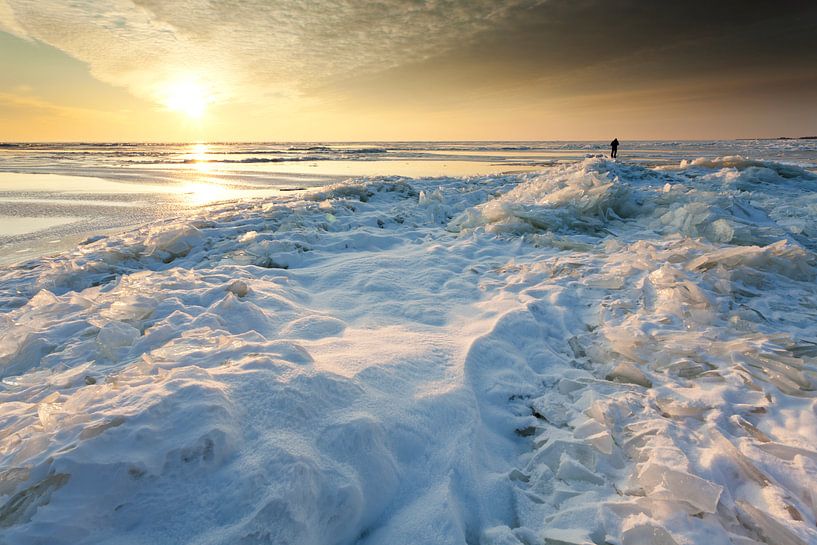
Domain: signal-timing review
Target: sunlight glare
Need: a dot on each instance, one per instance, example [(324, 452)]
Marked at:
[(187, 97), (201, 193), (198, 154), (201, 161)]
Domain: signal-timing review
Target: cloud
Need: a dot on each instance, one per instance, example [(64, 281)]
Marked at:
[(254, 48), (8, 22), (288, 55), (563, 49)]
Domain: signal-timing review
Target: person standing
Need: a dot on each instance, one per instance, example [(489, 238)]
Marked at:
[(614, 148)]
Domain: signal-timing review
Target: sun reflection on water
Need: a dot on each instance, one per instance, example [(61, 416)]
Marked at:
[(199, 151), (199, 158)]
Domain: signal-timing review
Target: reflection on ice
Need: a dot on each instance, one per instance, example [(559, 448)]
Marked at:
[(198, 194)]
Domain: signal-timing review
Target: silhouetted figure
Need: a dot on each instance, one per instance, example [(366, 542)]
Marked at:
[(614, 147)]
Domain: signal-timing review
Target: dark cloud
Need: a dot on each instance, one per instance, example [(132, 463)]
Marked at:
[(565, 43)]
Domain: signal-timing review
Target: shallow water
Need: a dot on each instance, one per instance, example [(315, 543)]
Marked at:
[(21, 225)]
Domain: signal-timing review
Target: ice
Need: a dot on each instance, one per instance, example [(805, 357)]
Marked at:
[(21, 507), (781, 258), (626, 372), (570, 470), (239, 288), (742, 163), (770, 529), (555, 451), (595, 352), (582, 196), (647, 534), (114, 336), (500, 535), (669, 484), (131, 308), (171, 242)]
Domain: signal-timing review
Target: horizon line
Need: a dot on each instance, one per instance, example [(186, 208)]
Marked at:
[(213, 142)]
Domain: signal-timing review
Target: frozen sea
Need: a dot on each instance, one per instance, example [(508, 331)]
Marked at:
[(494, 343), (53, 196)]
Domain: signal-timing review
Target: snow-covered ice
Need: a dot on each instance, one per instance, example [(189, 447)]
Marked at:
[(595, 353)]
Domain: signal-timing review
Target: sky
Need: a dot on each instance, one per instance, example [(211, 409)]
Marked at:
[(335, 70)]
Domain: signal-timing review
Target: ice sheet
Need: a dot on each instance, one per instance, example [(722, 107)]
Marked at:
[(595, 352)]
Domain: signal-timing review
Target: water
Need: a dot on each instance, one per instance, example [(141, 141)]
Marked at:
[(55, 195)]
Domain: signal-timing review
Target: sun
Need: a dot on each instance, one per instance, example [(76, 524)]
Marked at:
[(189, 98)]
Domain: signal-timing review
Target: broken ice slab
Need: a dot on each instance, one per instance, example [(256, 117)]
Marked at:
[(630, 374), (570, 470), (517, 475), (554, 541), (636, 437), (647, 534), (805, 348), (743, 540), (551, 454), (22, 506), (567, 386), (499, 535), (781, 257), (132, 308), (589, 427), (603, 441), (49, 414), (749, 428), (791, 368), (115, 336), (562, 494), (98, 428), (687, 368), (10, 478), (594, 433), (558, 536), (787, 452), (665, 483), (554, 412), (176, 241), (784, 384), (680, 409), (542, 480), (772, 530)]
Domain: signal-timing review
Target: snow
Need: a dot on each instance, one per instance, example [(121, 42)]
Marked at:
[(598, 352)]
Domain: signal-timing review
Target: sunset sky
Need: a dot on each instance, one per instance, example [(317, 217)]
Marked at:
[(160, 70)]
